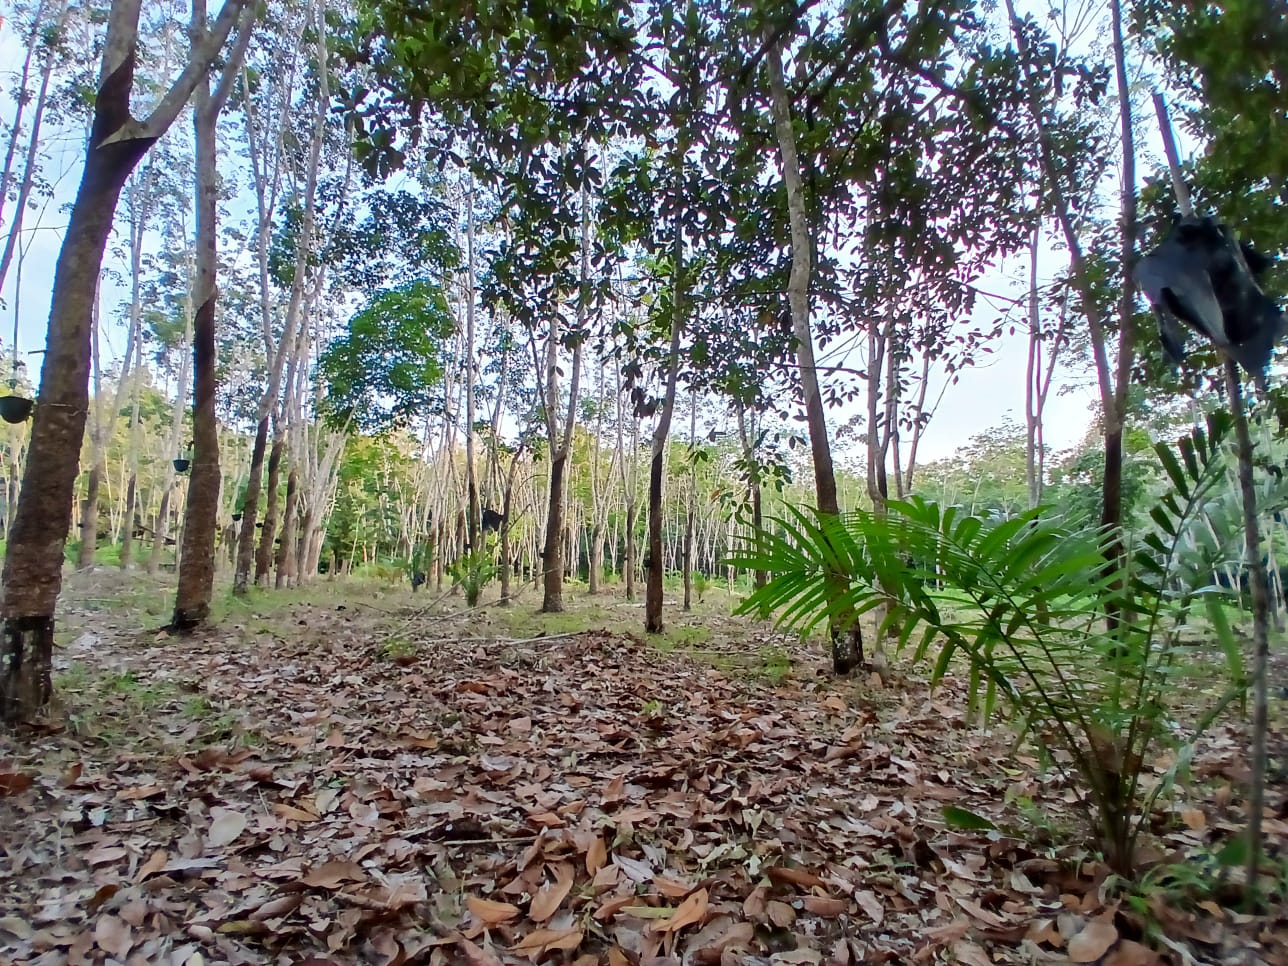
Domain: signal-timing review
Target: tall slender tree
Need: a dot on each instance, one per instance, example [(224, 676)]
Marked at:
[(118, 141), (197, 558)]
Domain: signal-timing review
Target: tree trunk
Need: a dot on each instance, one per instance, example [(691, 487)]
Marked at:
[(595, 548), (471, 479), (1032, 379), (264, 552), (266, 199), (127, 523), (201, 513), (747, 436), (250, 508), (1113, 397), (136, 426), (89, 515), (692, 509), (34, 561), (285, 561), (507, 505), (162, 531), (1256, 565), (846, 633), (1112, 511), (631, 483), (561, 445), (552, 549), (98, 456)]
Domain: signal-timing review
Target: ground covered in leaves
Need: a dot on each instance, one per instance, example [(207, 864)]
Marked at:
[(348, 774)]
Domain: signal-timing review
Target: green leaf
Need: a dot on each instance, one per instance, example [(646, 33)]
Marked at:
[(1234, 853), (962, 818)]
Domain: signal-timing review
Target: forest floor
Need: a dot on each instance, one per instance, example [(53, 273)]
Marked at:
[(347, 773)]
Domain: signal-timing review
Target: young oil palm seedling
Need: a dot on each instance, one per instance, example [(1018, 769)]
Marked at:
[(1081, 644), (474, 570)]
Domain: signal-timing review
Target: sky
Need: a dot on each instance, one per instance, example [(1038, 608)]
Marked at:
[(983, 397)]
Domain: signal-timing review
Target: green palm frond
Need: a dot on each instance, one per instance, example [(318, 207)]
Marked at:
[(1050, 619)]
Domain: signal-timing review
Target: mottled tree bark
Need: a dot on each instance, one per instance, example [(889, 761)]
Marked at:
[(250, 509), (33, 564), (846, 633), (197, 561), (285, 557), (552, 548), (264, 552)]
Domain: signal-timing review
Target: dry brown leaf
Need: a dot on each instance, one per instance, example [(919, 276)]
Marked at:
[(596, 855), (753, 907), (106, 855), (476, 955), (719, 934), (225, 826), (15, 782), (331, 875), (612, 906), (113, 936), (780, 913), (870, 904), (617, 958), (551, 895), (1092, 942), (1044, 931), (1131, 953), (949, 932), (613, 791), (781, 874), (140, 792), (100, 897), (489, 911), (671, 888), (293, 814), (966, 952), (153, 865), (828, 907), (691, 912), (325, 800), (1194, 818), (545, 940), (276, 908), (980, 914), (800, 957)]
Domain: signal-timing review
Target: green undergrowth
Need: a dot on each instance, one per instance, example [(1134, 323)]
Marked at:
[(110, 706)]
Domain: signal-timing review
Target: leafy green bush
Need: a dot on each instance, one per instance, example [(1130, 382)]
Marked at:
[(1084, 651), (473, 571), (701, 584)]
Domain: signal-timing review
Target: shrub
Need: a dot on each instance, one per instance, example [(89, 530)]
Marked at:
[(1081, 644)]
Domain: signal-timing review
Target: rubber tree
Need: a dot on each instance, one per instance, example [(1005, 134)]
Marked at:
[(197, 560), (846, 632), (268, 119), (560, 436), (117, 142)]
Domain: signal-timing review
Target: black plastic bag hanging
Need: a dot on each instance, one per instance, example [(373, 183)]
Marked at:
[(1202, 277)]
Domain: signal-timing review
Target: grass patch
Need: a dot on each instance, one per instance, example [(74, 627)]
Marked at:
[(398, 650), (774, 665), (146, 696)]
